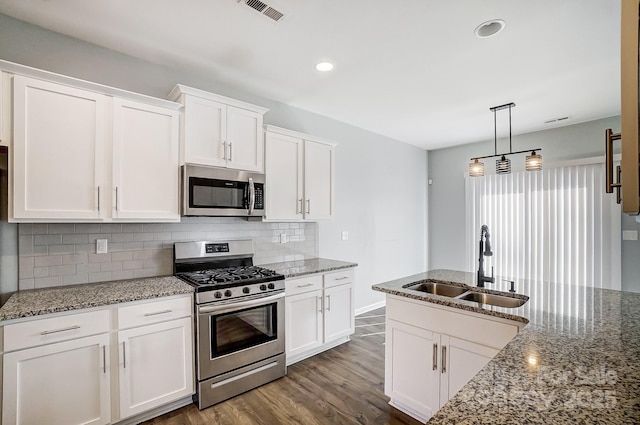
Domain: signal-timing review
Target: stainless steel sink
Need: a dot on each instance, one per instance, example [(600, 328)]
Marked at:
[(492, 299), (438, 288)]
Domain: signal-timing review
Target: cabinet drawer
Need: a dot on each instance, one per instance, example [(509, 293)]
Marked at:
[(303, 284), (154, 312), (55, 329), (338, 278)]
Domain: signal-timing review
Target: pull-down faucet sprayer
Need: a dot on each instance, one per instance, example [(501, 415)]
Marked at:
[(485, 250)]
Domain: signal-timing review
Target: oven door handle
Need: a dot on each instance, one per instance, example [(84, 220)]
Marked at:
[(219, 309)]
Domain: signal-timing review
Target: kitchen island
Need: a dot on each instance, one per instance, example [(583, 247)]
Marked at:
[(577, 359)]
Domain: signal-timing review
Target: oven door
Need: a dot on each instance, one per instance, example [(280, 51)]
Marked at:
[(210, 191), (237, 334)]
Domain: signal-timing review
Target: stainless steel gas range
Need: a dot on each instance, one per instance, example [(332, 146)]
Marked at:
[(239, 318)]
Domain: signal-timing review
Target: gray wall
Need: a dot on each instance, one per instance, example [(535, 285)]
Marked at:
[(447, 193), (380, 183)]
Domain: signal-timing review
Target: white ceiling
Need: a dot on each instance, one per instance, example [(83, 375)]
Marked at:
[(412, 70)]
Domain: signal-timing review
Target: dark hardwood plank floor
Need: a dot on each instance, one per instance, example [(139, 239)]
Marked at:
[(344, 385)]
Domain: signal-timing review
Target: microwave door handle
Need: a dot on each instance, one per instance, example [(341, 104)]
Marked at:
[(252, 196)]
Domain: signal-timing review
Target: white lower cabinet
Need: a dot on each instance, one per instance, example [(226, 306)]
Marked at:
[(319, 313), (98, 367), (58, 384), (155, 365), (431, 352)]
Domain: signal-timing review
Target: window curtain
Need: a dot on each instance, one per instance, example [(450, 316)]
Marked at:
[(556, 225)]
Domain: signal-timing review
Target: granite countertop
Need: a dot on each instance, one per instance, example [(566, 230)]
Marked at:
[(308, 266), (36, 302), (576, 361)]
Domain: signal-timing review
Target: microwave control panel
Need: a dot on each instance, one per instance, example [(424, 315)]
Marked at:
[(259, 190)]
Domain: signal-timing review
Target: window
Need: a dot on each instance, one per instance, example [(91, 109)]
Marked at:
[(556, 225)]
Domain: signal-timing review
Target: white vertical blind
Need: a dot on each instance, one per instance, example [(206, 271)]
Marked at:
[(556, 225)]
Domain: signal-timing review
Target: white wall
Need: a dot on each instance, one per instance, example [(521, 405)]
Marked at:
[(380, 183), (447, 194)]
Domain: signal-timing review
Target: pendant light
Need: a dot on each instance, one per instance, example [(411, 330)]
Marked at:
[(503, 165)]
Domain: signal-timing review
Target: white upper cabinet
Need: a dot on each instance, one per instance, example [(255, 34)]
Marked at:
[(81, 154), (145, 162), (58, 151), (220, 131), (299, 172)]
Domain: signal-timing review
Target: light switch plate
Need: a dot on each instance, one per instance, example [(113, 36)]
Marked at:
[(629, 235), (101, 246), (345, 236), (283, 238)]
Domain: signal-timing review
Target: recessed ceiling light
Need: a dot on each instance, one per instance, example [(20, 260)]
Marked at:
[(489, 28), (324, 66)]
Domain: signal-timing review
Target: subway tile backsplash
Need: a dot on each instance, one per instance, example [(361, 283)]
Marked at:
[(65, 254)]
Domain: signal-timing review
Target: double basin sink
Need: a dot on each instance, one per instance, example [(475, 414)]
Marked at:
[(464, 293)]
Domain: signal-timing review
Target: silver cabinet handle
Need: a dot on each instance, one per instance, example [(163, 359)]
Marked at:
[(70, 328), (435, 356), (124, 355), (157, 312), (224, 150), (444, 358), (342, 278), (98, 198), (116, 198), (328, 302), (306, 285), (104, 359), (319, 301), (230, 152), (299, 210), (308, 206)]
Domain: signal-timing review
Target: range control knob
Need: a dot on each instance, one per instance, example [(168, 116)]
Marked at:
[(246, 290), (272, 286), (263, 287), (227, 293), (218, 294)]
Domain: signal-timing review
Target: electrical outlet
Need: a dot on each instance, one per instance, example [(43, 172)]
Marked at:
[(629, 235), (101, 246), (345, 236), (283, 238)]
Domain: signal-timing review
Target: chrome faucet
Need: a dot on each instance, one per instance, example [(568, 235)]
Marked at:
[(485, 250)]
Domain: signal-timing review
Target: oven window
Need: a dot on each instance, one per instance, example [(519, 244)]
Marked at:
[(243, 329), (208, 193)]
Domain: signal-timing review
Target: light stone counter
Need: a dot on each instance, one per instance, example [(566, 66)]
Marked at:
[(36, 302), (308, 266), (577, 361)]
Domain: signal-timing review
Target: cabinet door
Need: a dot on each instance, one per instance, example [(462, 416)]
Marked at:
[(462, 361), (338, 312), (304, 322), (59, 138), (145, 162), (59, 384), (245, 140), (204, 132), (156, 365), (284, 176), (318, 180), (412, 369)]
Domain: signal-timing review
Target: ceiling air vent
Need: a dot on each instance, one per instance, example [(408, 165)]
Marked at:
[(265, 9), (556, 120)]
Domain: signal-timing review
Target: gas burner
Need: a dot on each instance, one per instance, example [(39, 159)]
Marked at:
[(240, 274)]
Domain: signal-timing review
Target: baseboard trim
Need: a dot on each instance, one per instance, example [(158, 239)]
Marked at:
[(370, 307)]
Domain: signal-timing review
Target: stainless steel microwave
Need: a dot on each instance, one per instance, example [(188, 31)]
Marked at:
[(215, 192)]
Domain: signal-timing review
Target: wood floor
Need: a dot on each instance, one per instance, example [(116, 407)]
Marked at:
[(344, 385)]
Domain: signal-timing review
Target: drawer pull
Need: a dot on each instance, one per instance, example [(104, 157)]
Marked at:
[(70, 328), (305, 285), (104, 359), (342, 278), (157, 312)]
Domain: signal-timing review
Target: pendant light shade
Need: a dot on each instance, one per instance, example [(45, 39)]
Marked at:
[(476, 169), (534, 162), (503, 165)]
